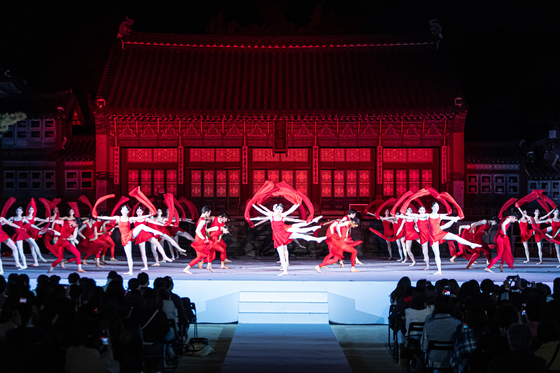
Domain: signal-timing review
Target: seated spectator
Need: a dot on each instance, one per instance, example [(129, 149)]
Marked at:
[(73, 279), (518, 359), (535, 314), (92, 354), (442, 327), (154, 327), (183, 320), (467, 341), (403, 286), (110, 277), (133, 284), (144, 280), (549, 335), (418, 310)]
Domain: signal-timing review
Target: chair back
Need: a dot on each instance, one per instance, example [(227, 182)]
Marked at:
[(439, 346)]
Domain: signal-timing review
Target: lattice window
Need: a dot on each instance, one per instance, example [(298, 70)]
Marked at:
[(353, 155), (36, 180), (233, 183), (388, 189), (339, 155), (394, 155), (365, 155), (228, 155), (195, 155), (72, 180), (364, 182), (327, 155), (351, 183), (196, 183), (202, 154), (472, 184), (171, 182), (326, 183), (513, 186), (554, 191), (221, 183), (388, 176), (288, 177), (9, 179), (208, 183), (486, 184), (273, 175), (50, 180), (259, 177), (414, 180), (86, 179), (137, 155), (499, 184), (301, 181), (165, 155), (420, 155), (146, 182)]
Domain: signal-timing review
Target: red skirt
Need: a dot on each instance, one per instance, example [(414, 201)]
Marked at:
[(143, 236), (3, 235), (20, 235)]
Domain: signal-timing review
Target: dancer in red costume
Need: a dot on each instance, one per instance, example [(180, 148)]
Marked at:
[(6, 240), (217, 229), (33, 231), (91, 242), (525, 232), (388, 232), (537, 233), (554, 229), (424, 235), (338, 241), (145, 236), (283, 234), (503, 245), (127, 233), (22, 235), (175, 231), (409, 235), (67, 235), (201, 242), (478, 230), (104, 228)]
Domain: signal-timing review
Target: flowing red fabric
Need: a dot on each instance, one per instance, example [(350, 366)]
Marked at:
[(376, 232), (550, 202), (74, 206), (191, 207), (528, 198), (180, 208), (170, 203), (47, 205), (102, 199), (538, 231), (34, 205), (436, 195), (86, 201), (506, 205), (121, 202), (7, 206), (370, 205), (446, 196), (420, 193), (401, 199), (137, 193), (281, 189), (544, 205), (389, 202)]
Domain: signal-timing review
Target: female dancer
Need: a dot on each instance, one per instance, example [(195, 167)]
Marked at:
[(397, 224), (503, 245), (33, 231), (424, 234), (217, 229), (67, 234), (410, 234), (91, 243), (388, 232), (176, 232), (23, 234), (123, 221), (438, 234), (538, 236), (6, 240), (337, 234), (144, 237), (525, 232), (201, 242), (555, 230), (283, 234), (157, 222), (478, 230)]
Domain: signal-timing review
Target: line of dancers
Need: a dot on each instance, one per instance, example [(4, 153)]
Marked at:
[(404, 221)]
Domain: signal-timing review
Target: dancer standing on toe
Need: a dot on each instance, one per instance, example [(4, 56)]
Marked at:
[(5, 239), (33, 231), (201, 242), (23, 234), (127, 233)]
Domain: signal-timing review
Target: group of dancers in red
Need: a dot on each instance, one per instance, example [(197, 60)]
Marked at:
[(404, 221), (406, 226)]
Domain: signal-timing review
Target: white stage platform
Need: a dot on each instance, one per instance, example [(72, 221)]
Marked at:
[(251, 291)]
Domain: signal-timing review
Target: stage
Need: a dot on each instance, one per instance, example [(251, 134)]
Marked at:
[(252, 291)]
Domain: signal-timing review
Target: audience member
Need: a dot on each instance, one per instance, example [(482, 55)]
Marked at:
[(548, 334), (144, 280)]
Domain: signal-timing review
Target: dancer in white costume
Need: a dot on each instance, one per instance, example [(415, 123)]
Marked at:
[(23, 235)]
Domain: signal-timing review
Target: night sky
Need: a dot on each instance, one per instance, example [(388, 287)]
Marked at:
[(506, 53)]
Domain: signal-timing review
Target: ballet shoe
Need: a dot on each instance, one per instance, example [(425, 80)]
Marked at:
[(354, 270), (437, 273), (210, 269), (284, 273), (412, 265), (43, 259), (426, 269), (156, 265), (168, 260), (452, 259), (318, 269), (113, 259), (82, 271), (227, 261), (22, 268), (526, 261), (404, 261), (539, 263), (145, 269), (224, 267), (186, 270), (129, 273), (35, 265), (62, 265), (358, 262), (488, 270), (183, 253)]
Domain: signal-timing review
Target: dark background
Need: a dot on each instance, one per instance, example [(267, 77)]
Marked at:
[(506, 53)]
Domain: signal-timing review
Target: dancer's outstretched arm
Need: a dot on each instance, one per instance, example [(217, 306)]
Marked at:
[(113, 218), (295, 220), (142, 217), (7, 222), (260, 218), (80, 231), (413, 215), (291, 210), (263, 210), (262, 222)]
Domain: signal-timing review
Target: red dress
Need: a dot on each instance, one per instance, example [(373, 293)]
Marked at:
[(396, 227), (409, 231), (436, 234), (503, 248), (126, 232), (280, 235), (33, 232), (538, 237), (90, 247), (199, 244), (526, 233), (215, 236), (20, 234), (3, 235), (143, 236), (424, 229), (388, 230), (555, 227)]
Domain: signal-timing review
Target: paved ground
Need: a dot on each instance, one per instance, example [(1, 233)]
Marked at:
[(365, 348)]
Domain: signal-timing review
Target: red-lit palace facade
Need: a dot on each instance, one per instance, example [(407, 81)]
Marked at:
[(206, 116)]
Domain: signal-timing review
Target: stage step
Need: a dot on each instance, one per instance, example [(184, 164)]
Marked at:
[(256, 307)]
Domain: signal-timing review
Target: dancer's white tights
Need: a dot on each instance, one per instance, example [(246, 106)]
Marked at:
[(435, 249), (20, 252), (283, 255)]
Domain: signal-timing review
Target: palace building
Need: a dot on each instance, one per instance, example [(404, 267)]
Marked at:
[(342, 118)]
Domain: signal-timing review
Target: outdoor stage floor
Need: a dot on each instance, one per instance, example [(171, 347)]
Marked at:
[(267, 269)]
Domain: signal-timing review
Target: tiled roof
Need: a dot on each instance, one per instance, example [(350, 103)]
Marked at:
[(37, 106), (494, 152), (206, 75), (541, 170), (78, 149)]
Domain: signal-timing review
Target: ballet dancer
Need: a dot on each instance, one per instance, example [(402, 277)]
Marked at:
[(503, 245), (23, 234), (388, 232), (175, 231), (410, 234), (283, 234), (34, 230), (201, 242), (479, 229), (554, 229), (217, 229), (337, 241), (67, 234), (144, 237), (424, 235), (6, 240), (533, 232)]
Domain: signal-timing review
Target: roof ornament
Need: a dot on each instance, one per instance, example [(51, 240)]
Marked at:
[(125, 27)]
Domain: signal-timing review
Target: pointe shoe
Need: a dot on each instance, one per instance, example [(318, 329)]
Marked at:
[(452, 259), (35, 265), (526, 261), (82, 271), (224, 267), (539, 263), (145, 269), (412, 265), (318, 269), (488, 270), (210, 269), (168, 260)]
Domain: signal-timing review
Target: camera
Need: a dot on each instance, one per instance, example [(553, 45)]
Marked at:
[(447, 290)]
